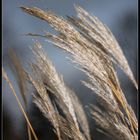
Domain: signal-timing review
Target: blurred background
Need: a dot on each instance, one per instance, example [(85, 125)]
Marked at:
[(120, 16)]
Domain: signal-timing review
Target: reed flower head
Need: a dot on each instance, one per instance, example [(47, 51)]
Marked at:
[(95, 50)]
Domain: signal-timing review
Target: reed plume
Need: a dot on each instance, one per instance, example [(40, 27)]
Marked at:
[(95, 50), (57, 102)]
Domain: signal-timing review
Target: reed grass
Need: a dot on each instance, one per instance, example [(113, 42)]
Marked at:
[(95, 50)]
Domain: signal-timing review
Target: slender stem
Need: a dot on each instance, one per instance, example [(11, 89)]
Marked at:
[(18, 101)]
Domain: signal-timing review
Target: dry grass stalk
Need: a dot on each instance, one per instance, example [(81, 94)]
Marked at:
[(95, 49), (19, 74), (4, 74)]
